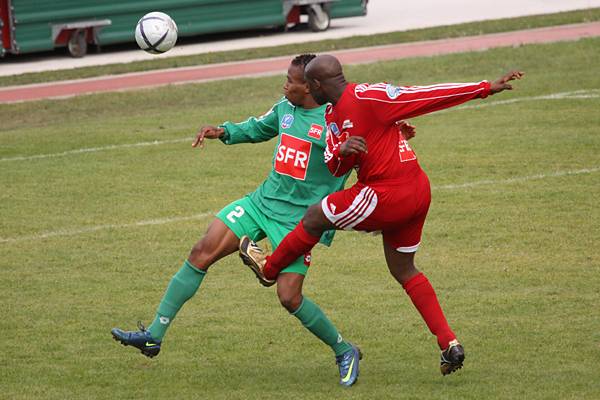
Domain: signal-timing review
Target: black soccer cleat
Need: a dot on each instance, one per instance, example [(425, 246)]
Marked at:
[(139, 339), (452, 358)]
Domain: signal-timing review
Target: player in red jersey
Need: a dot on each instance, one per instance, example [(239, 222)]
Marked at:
[(392, 194)]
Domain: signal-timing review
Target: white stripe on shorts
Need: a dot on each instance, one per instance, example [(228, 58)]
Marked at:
[(363, 205), (409, 249)]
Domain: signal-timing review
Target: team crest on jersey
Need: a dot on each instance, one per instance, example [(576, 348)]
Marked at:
[(333, 128), (392, 91), (287, 121), (315, 131), (347, 124)]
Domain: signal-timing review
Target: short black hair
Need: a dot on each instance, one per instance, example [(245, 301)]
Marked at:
[(303, 60)]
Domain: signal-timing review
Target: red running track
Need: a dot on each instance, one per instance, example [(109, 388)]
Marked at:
[(272, 66)]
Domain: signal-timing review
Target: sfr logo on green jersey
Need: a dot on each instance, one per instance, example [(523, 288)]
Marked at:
[(293, 155), (315, 131)]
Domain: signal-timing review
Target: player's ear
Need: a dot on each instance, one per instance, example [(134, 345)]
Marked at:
[(306, 88), (310, 80)]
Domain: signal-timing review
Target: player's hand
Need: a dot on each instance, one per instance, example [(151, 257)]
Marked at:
[(406, 129), (354, 145), (502, 83), (207, 132)]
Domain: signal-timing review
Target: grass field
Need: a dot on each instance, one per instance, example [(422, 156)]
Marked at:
[(94, 223)]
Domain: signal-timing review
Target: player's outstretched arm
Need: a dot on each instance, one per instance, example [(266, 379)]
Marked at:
[(502, 84), (207, 132), (391, 104), (253, 130)]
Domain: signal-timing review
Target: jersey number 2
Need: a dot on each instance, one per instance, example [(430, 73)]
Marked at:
[(237, 213)]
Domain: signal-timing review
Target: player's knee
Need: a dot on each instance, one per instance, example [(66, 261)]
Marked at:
[(404, 271), (313, 221), (202, 256), (407, 275), (290, 300)]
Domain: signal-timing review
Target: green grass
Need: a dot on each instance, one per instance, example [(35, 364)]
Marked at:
[(467, 29), (515, 265)]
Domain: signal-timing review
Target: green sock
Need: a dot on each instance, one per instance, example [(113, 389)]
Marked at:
[(313, 319), (182, 287)]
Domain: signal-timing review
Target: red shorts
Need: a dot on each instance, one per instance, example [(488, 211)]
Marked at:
[(397, 210)]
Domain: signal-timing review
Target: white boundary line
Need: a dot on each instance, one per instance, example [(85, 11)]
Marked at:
[(96, 149), (162, 221), (89, 229), (578, 94), (516, 179)]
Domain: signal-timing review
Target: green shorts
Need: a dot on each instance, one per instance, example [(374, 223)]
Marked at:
[(244, 218)]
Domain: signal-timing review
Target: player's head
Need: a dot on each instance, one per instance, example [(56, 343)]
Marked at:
[(325, 79), (296, 88)]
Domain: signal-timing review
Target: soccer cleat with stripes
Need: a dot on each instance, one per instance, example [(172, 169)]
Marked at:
[(255, 259), (348, 365), (452, 358), (139, 339)]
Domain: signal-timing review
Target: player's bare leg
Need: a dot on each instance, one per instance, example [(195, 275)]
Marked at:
[(289, 291), (315, 222), (218, 242), (401, 265), (420, 291), (297, 243)]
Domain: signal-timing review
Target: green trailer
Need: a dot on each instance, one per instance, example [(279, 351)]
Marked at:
[(40, 25)]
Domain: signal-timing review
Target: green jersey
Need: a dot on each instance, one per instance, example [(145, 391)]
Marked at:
[(299, 177)]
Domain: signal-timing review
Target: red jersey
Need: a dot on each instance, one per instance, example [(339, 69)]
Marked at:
[(371, 111)]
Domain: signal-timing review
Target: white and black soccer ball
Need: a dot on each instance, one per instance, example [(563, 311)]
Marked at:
[(156, 33)]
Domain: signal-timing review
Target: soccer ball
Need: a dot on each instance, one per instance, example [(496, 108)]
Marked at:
[(156, 33)]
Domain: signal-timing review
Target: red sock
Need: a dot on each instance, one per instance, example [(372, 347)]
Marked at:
[(297, 243), (423, 297)]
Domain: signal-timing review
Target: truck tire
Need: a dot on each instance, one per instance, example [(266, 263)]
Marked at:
[(318, 17), (77, 43)]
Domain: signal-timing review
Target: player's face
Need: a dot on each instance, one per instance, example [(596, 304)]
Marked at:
[(295, 88)]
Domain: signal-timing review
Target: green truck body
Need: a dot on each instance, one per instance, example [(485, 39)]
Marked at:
[(41, 25)]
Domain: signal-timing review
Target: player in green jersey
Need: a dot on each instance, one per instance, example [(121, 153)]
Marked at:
[(298, 179)]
